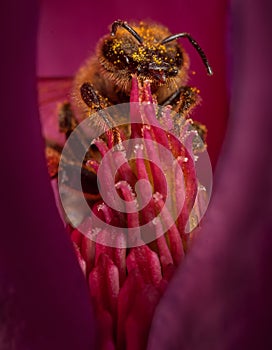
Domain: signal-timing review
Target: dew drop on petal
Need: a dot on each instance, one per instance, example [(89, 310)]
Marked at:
[(157, 196), (93, 233), (138, 146), (155, 221), (100, 206), (196, 158), (202, 188)]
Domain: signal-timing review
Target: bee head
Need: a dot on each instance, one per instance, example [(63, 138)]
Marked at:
[(147, 51), (156, 62)]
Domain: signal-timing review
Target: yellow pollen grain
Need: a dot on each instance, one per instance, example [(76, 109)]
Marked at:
[(162, 48), (140, 55), (157, 60), (116, 45)]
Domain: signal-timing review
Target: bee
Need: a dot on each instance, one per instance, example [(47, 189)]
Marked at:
[(143, 49), (147, 50)]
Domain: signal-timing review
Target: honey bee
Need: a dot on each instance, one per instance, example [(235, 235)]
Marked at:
[(147, 50)]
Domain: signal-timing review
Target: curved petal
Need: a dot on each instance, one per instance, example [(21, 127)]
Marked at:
[(221, 296), (43, 298)]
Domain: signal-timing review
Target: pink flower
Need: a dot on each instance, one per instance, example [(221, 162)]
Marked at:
[(128, 269), (220, 297)]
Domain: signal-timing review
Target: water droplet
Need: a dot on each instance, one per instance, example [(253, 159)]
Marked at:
[(100, 206), (138, 146), (155, 221), (94, 232), (157, 196), (201, 188)]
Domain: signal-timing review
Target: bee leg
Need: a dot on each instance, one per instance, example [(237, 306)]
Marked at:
[(70, 164), (71, 167), (97, 102), (93, 98), (67, 119), (52, 154), (68, 124), (201, 130), (183, 101)]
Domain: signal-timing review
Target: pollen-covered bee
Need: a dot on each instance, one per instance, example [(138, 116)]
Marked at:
[(144, 49)]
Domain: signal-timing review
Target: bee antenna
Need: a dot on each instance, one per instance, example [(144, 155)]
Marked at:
[(125, 25), (195, 45)]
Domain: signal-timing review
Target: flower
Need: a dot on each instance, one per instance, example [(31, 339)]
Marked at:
[(49, 304), (129, 260)]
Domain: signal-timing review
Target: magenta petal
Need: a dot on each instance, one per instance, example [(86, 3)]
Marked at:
[(124, 170), (134, 94), (136, 303), (147, 262), (156, 164), (143, 195), (88, 252), (173, 234), (104, 289), (105, 321), (163, 249), (81, 261), (133, 283), (139, 320), (147, 97), (131, 204), (76, 237), (104, 284), (45, 298), (220, 298), (117, 255)]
